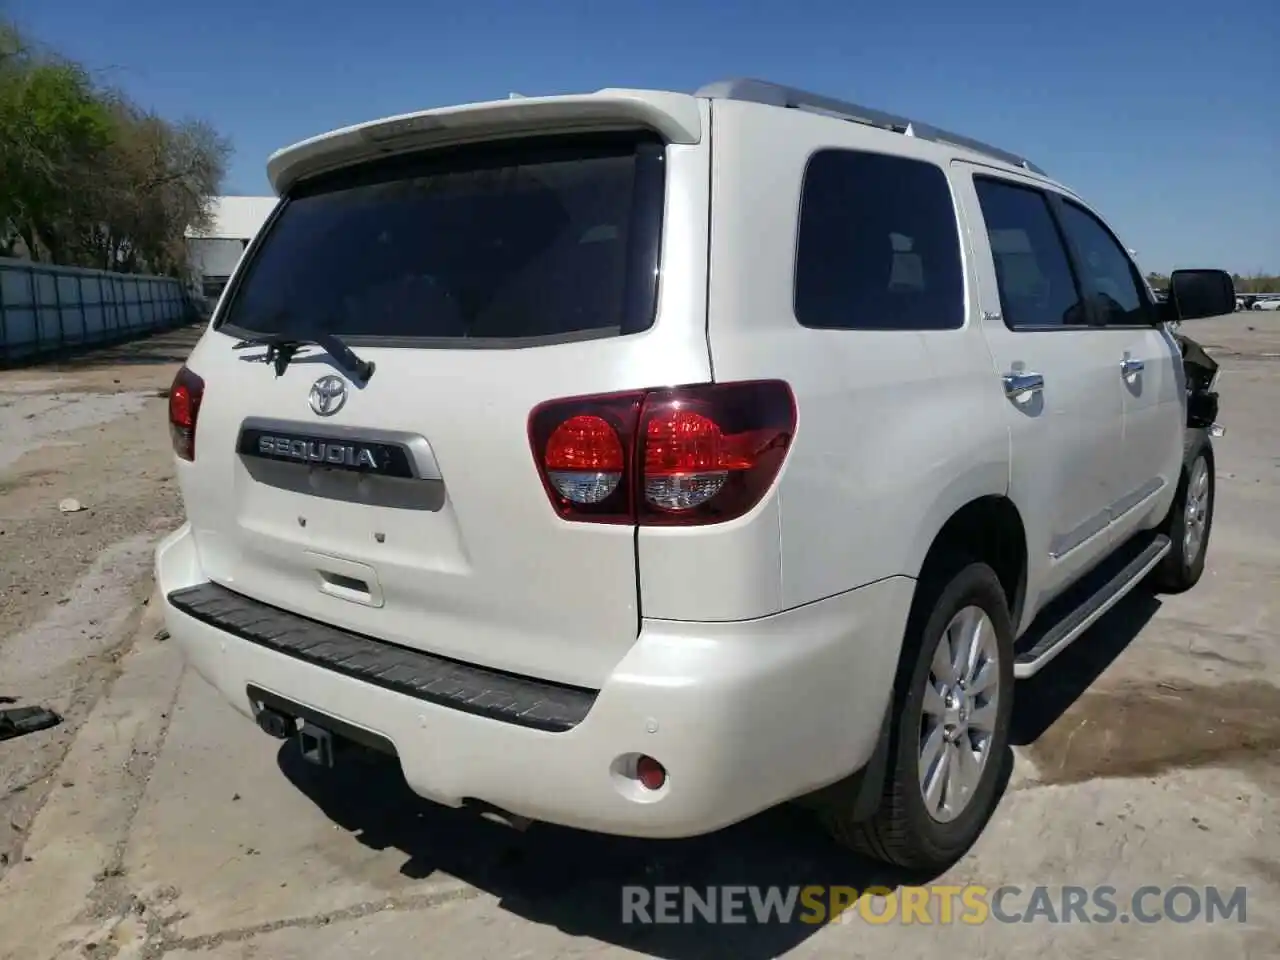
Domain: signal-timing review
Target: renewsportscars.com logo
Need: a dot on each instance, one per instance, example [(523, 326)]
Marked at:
[(939, 904)]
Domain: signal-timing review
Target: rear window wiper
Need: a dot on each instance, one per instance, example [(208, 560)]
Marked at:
[(281, 348)]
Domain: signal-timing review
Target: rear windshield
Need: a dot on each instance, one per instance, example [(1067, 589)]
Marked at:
[(475, 247)]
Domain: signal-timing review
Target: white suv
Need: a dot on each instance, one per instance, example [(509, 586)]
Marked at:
[(637, 461)]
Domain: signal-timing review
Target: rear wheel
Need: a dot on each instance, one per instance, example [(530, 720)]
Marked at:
[(952, 706), (1190, 521)]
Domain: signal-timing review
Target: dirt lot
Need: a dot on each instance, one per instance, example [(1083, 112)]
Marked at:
[(154, 821)]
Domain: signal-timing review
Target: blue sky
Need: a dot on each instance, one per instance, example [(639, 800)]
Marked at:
[(1164, 114)]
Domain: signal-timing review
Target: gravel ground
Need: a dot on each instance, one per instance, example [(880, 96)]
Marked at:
[(73, 585)]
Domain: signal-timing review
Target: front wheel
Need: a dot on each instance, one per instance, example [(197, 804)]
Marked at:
[(952, 703), (1190, 521)]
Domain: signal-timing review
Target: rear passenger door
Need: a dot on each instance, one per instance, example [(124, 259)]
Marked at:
[(1064, 409), (1145, 361)]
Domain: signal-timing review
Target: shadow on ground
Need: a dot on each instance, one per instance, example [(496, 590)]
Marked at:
[(580, 883), (577, 881), (1074, 729), (1043, 699)]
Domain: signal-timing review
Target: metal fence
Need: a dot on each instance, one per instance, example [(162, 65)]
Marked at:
[(45, 309)]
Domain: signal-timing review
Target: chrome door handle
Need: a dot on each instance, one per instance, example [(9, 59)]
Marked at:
[(1129, 367), (1018, 384)]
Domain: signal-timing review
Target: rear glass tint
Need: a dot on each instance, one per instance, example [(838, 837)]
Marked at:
[(475, 246)]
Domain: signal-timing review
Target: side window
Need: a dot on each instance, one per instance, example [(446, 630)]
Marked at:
[(1037, 287), (1107, 272), (878, 247)]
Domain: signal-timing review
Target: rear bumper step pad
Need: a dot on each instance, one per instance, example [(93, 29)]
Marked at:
[(478, 690)]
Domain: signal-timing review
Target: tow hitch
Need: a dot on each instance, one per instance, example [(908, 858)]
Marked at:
[(316, 744), (322, 740)]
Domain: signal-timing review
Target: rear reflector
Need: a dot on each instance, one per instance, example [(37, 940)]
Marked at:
[(672, 456), (185, 396), (651, 774)]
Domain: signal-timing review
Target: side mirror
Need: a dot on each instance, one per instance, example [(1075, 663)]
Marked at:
[(1194, 294)]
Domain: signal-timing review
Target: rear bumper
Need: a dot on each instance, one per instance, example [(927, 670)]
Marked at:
[(743, 715)]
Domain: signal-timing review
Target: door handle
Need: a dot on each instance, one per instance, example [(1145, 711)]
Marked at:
[(1129, 367), (1019, 384)]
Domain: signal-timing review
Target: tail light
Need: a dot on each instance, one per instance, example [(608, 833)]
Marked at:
[(185, 397), (672, 456)]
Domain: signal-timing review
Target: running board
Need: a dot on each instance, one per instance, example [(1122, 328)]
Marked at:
[(1064, 620)]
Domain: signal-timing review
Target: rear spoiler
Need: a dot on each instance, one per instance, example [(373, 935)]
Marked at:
[(674, 116)]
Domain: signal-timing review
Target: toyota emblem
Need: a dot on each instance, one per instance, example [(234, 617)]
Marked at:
[(328, 394)]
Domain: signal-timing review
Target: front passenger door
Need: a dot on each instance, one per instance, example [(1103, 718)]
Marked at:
[(1146, 363)]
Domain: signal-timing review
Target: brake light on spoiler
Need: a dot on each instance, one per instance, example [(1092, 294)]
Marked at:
[(671, 456)]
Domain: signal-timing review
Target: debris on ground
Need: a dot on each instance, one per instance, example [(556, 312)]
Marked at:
[(16, 721)]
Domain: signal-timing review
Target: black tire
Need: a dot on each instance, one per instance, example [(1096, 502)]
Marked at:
[(902, 832), (1183, 565)]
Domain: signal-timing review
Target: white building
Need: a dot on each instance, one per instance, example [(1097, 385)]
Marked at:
[(216, 249)]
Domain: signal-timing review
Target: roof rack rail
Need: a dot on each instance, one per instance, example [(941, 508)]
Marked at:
[(777, 95)]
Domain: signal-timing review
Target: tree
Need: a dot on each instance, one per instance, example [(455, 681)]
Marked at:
[(157, 181), (1256, 283), (53, 131), (90, 178)]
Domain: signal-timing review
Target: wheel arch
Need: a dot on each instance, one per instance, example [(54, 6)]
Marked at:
[(988, 528), (973, 513)]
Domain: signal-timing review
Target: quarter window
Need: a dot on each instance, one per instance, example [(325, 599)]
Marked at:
[(878, 247), (1033, 271)]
